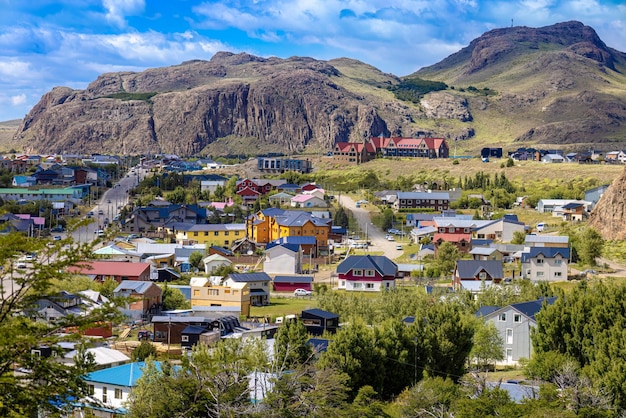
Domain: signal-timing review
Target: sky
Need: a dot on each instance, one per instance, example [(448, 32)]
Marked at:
[(45, 43)]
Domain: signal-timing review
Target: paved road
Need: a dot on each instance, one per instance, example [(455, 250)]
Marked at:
[(113, 198), (373, 234)]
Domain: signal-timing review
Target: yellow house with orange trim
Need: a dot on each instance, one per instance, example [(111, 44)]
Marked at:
[(271, 224), (213, 292)]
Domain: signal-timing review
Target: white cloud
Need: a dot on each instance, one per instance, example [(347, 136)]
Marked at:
[(117, 10), (20, 99)]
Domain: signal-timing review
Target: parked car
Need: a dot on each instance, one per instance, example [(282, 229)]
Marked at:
[(57, 237), (58, 228), (100, 212), (390, 238), (399, 247), (90, 214), (21, 265), (144, 334), (99, 232), (302, 292)]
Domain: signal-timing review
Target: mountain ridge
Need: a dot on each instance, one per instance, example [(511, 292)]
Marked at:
[(559, 85)]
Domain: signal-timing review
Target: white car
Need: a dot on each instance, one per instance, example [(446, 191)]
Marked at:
[(302, 292)]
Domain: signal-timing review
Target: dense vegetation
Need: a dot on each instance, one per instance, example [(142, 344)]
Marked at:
[(412, 89), (125, 96)]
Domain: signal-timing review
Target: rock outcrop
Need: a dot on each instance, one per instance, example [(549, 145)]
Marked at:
[(609, 215)]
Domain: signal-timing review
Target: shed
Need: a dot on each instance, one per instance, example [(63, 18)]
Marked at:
[(191, 335), (317, 321)]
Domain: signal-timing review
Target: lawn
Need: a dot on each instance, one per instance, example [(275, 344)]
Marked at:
[(281, 306)]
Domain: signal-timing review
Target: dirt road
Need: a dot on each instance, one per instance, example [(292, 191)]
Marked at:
[(373, 234)]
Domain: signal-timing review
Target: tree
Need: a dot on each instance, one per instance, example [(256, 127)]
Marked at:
[(174, 299), (590, 244), (430, 397), (178, 196), (519, 237), (446, 257), (195, 259), (488, 345), (387, 219), (143, 351), (22, 329), (341, 218), (290, 347)]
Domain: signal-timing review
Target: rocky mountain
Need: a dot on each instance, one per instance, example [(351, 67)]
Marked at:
[(555, 85), (609, 215)]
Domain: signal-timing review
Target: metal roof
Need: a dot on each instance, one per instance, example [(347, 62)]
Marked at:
[(293, 279), (125, 375), (382, 264), (468, 269), (249, 277)]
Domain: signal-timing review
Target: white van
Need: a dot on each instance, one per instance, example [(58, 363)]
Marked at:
[(541, 226)]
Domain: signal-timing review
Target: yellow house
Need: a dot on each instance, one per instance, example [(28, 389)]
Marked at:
[(222, 235), (212, 292), (271, 224)]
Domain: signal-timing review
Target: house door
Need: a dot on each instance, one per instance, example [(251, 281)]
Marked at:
[(509, 355)]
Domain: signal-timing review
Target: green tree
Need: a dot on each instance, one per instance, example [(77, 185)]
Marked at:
[(430, 397), (590, 245), (178, 196), (341, 218), (488, 345), (195, 259), (447, 255), (519, 237), (290, 347), (143, 351), (387, 219), (22, 329), (174, 299)]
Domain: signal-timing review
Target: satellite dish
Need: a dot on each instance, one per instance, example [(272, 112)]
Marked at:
[(250, 252)]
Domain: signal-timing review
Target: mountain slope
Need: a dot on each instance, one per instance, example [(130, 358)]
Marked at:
[(558, 86)]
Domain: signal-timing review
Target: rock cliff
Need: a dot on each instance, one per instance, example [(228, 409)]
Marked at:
[(609, 215)]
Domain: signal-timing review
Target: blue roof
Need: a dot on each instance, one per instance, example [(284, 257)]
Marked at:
[(382, 264), (292, 247), (124, 375), (320, 313), (480, 242), (548, 252), (250, 277), (486, 310), (302, 240), (531, 308), (319, 344)]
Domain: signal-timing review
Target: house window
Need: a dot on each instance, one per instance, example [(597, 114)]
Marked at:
[(466, 230), (236, 233), (343, 283), (540, 274), (558, 262), (310, 321), (356, 285), (502, 317), (557, 274), (357, 272), (104, 394), (216, 234), (213, 292), (206, 233), (509, 335), (226, 290), (540, 261), (369, 285), (442, 230), (481, 236), (91, 389), (451, 230), (196, 292), (369, 273), (195, 234), (517, 318), (184, 338), (482, 275), (226, 242), (118, 393), (225, 232)]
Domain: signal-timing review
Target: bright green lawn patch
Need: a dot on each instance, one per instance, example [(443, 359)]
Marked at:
[(281, 306)]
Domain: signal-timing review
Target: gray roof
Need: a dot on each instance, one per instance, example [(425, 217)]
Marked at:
[(469, 269), (134, 285), (548, 239), (483, 250), (424, 195)]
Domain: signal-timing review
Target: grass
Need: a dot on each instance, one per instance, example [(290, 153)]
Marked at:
[(282, 305)]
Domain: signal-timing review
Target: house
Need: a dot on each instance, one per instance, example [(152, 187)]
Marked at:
[(103, 357), (545, 263), (141, 297), (258, 285), (109, 389), (174, 328), (272, 224), (317, 321), (552, 158), (514, 323), (214, 292), (282, 164), (307, 201), (285, 283), (159, 214), (555, 205), (485, 253), (502, 229), (193, 334), (594, 195), (117, 270), (212, 234), (353, 153), (251, 189), (367, 273), (280, 198), (436, 201), (214, 262), (472, 275), (457, 231), (54, 307), (283, 258), (574, 212), (491, 152)]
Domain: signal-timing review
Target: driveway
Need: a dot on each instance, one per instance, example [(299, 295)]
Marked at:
[(371, 232)]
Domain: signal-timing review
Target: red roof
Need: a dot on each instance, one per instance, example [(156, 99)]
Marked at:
[(110, 268), (452, 237)]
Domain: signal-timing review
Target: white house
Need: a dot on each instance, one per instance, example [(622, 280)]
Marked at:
[(501, 229), (308, 201), (556, 205), (283, 259), (214, 262), (552, 158), (111, 387), (545, 263)]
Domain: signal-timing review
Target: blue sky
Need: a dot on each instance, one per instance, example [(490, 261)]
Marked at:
[(45, 43)]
